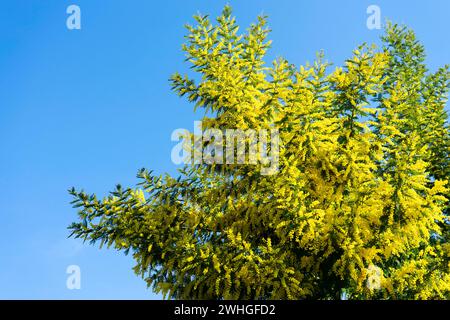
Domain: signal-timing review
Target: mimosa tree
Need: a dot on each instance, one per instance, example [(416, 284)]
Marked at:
[(359, 203)]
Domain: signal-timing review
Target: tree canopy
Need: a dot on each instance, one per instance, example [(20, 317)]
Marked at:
[(360, 191)]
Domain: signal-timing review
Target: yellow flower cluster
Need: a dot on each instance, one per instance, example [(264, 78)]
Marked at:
[(359, 205)]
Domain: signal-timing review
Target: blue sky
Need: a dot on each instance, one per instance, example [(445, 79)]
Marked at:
[(88, 108)]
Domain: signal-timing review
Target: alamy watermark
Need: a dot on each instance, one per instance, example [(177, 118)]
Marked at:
[(227, 146), (74, 279), (374, 276), (73, 21), (374, 19)]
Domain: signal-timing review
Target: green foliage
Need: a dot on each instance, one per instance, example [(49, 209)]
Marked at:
[(361, 187)]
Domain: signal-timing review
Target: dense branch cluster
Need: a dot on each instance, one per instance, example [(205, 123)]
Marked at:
[(364, 162)]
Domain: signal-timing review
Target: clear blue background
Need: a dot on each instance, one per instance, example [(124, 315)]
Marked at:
[(88, 108)]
